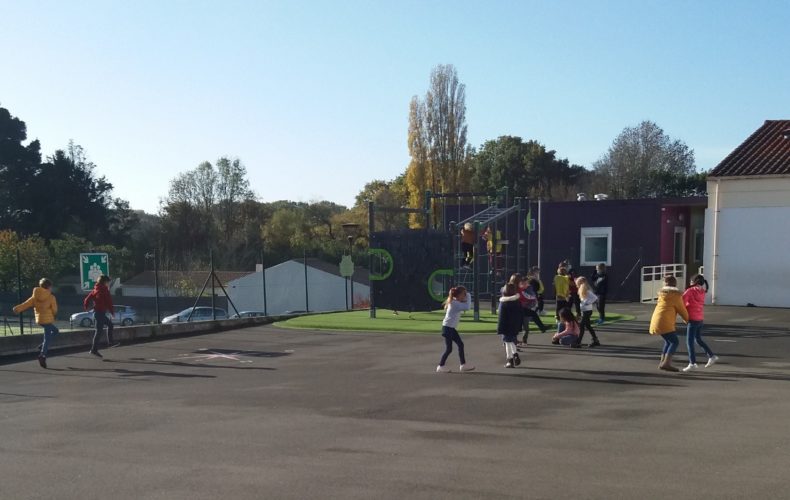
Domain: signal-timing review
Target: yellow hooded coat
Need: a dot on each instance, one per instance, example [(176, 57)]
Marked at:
[(670, 304), (43, 303)]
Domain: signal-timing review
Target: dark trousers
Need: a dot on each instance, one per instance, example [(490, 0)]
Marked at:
[(561, 304), (540, 303), (585, 323), (530, 315), (451, 335), (467, 253), (576, 303), (602, 307), (101, 320)]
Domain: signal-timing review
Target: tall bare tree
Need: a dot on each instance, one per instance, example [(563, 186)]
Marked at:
[(437, 138)]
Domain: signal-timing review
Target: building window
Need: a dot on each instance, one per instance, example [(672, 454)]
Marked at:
[(699, 244), (596, 246)]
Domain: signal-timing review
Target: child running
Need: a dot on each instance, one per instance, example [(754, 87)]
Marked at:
[(587, 299), (694, 300), (102, 304), (45, 307), (509, 323), (529, 300), (456, 303), (537, 285), (570, 333), (670, 304)]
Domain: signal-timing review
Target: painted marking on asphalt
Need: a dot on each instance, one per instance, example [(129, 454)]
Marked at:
[(722, 340)]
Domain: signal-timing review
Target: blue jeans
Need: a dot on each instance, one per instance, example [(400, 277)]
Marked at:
[(49, 331), (671, 342), (451, 335), (694, 334)]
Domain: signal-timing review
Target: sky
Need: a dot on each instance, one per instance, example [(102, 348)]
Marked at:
[(313, 97)]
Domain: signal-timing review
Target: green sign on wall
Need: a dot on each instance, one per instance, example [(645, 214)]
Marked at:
[(93, 265)]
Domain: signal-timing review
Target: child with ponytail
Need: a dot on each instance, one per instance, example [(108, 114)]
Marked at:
[(456, 303)]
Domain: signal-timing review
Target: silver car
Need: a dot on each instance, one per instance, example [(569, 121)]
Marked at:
[(200, 314), (124, 316)]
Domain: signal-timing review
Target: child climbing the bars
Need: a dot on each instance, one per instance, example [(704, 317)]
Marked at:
[(467, 245)]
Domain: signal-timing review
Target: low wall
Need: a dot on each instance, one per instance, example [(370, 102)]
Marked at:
[(28, 344)]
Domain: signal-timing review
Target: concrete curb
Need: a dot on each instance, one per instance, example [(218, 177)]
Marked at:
[(28, 344)]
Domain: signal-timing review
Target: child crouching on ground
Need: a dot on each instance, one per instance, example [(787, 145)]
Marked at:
[(46, 307), (456, 303), (509, 324), (570, 333)]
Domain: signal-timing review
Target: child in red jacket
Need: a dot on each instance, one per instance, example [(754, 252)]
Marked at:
[(102, 305), (694, 300)]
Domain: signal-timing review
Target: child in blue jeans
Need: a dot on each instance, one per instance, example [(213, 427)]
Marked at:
[(46, 307)]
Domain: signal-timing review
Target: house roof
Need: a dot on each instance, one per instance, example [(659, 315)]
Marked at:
[(765, 152), (193, 278)]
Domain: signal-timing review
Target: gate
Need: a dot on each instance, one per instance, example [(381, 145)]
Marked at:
[(653, 279)]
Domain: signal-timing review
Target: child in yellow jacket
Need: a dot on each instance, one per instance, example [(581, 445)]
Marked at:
[(46, 307), (669, 306)]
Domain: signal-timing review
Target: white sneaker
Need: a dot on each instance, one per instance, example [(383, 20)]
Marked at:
[(711, 361), (690, 367), (442, 369), (466, 368)]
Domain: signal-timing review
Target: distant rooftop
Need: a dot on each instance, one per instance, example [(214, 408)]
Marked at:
[(765, 152)]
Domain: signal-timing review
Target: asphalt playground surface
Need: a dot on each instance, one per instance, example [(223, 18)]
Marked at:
[(270, 413)]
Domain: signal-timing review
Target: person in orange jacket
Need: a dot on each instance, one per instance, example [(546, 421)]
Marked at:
[(46, 308), (669, 306)]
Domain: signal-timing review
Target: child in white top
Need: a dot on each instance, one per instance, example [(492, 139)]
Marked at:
[(456, 303), (587, 299)]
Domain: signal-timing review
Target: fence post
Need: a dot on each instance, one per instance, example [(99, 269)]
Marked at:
[(213, 310), (156, 284), (19, 290), (263, 273), (306, 295), (371, 230)]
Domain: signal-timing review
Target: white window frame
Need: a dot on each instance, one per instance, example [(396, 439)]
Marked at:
[(596, 232)]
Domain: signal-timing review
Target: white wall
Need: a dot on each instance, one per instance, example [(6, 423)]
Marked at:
[(285, 290), (753, 263)]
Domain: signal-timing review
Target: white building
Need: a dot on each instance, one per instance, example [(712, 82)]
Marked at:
[(285, 288), (747, 237), (177, 283)]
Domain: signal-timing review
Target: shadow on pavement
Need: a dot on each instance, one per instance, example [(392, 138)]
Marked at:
[(143, 361), (131, 373), (529, 373)]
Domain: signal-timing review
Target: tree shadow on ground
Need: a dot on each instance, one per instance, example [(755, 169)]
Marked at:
[(144, 361), (124, 373)]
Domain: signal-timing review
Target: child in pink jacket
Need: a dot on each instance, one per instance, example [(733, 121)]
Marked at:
[(570, 334), (694, 300)]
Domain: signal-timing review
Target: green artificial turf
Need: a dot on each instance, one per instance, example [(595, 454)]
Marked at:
[(418, 322)]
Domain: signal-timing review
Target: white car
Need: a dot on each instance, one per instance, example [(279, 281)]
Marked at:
[(124, 316), (200, 314)]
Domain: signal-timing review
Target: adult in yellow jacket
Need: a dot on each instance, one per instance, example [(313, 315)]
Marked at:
[(45, 307), (669, 306)]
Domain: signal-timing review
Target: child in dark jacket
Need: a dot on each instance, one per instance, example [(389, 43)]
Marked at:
[(529, 303), (600, 284), (509, 324)]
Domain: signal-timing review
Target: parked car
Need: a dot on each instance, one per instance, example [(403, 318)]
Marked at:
[(124, 316), (200, 314), (248, 314)]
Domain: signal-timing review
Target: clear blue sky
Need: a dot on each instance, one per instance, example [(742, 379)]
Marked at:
[(313, 96)]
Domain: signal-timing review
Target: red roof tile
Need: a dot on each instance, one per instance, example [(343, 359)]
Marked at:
[(765, 152)]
